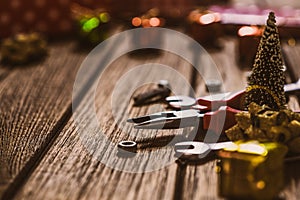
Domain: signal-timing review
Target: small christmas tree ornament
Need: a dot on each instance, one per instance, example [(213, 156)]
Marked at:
[(266, 83)]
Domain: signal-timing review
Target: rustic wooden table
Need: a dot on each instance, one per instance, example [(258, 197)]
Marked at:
[(43, 155)]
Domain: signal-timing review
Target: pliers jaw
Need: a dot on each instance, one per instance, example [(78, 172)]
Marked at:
[(168, 120), (159, 124), (174, 123), (148, 118)]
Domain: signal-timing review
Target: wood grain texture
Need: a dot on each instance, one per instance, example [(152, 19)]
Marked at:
[(292, 179), (233, 77), (199, 186), (34, 100), (82, 165), (200, 181), (72, 169), (291, 56)]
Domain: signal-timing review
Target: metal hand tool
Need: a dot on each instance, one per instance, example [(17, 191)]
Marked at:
[(160, 93), (220, 115), (198, 150), (167, 120), (292, 87), (215, 112), (232, 99), (211, 102), (222, 119)]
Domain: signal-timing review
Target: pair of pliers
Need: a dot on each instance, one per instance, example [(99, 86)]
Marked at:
[(208, 103), (215, 101), (215, 113)]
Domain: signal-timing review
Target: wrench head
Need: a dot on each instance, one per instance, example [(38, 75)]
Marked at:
[(181, 101), (199, 149)]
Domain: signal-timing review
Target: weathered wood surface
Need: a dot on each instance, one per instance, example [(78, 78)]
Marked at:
[(292, 54), (80, 174), (200, 181), (33, 106), (51, 159)]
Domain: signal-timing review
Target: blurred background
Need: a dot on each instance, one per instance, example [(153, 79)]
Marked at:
[(92, 21), (58, 17)]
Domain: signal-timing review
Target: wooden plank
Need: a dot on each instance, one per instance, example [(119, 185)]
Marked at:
[(291, 56), (291, 190), (36, 102), (200, 181), (70, 170), (232, 76), (33, 106)]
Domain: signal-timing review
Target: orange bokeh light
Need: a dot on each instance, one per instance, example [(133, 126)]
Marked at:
[(248, 31), (154, 21), (136, 21), (207, 18), (146, 23)]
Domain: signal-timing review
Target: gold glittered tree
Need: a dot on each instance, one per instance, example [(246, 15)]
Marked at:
[(266, 82)]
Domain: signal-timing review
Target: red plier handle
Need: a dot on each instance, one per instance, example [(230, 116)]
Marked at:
[(220, 120), (233, 100)]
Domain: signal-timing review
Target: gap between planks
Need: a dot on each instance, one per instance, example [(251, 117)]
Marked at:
[(53, 77), (69, 170)]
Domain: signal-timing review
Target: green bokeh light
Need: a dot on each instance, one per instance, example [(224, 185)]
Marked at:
[(104, 17), (90, 24)]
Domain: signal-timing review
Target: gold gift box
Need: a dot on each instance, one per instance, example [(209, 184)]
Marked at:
[(251, 170)]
